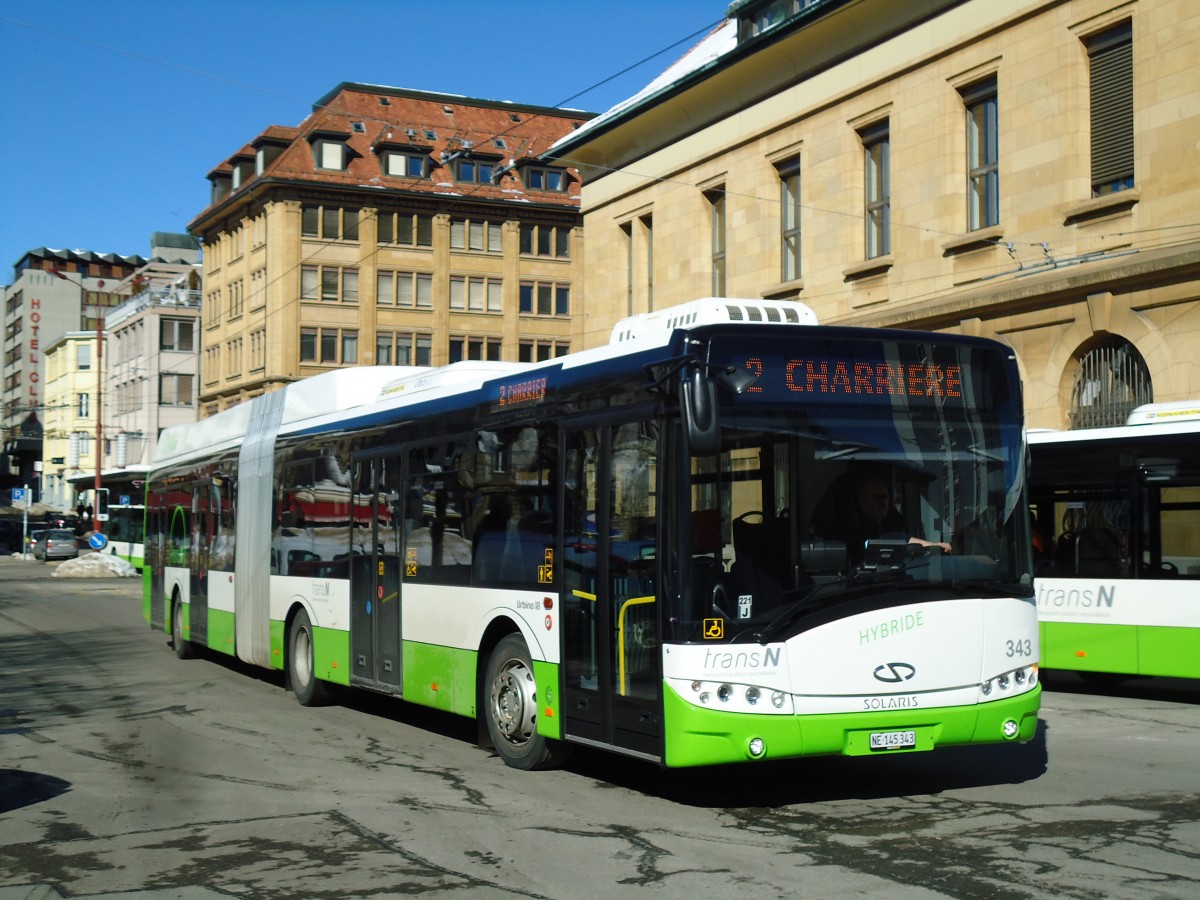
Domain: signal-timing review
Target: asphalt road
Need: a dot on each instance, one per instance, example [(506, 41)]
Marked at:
[(125, 772)]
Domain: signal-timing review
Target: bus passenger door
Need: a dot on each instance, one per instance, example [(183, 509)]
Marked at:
[(155, 556), (198, 557), (611, 654), (375, 574)]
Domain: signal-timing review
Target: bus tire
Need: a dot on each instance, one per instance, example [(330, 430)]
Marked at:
[(183, 647), (301, 668), (510, 709)]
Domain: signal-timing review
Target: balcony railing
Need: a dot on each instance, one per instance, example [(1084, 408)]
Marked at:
[(154, 296)]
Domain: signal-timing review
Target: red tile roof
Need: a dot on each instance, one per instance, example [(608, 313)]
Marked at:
[(369, 117)]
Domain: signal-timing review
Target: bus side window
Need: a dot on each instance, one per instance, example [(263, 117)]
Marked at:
[(1178, 509)]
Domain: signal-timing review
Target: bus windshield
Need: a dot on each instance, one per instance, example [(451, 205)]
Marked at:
[(815, 502)]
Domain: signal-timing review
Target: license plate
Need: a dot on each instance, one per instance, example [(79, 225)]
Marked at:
[(893, 740)]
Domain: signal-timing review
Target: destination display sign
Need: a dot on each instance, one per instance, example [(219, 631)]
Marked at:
[(874, 373)]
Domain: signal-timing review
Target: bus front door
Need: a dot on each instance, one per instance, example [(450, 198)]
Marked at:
[(375, 575), (611, 657)]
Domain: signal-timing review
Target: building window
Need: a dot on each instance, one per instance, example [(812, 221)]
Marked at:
[(82, 407), (401, 348), (212, 308), (329, 155), (540, 351), (175, 389), (405, 165), (234, 292), (405, 229), (545, 240), (716, 202), (542, 179), (481, 237), (233, 358), (543, 298), (1110, 56), (473, 171), (983, 155), (475, 293), (789, 219), (1111, 381), (404, 289), (474, 348), (258, 288), (329, 345), (648, 231), (877, 189), (83, 357), (329, 284), (258, 349), (176, 334), (330, 223), (308, 345)]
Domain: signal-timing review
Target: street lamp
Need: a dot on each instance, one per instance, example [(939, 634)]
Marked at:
[(97, 525)]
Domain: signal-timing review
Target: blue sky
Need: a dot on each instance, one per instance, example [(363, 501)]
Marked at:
[(118, 110)]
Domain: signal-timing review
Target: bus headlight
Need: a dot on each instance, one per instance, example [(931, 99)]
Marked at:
[(756, 747), (730, 696)]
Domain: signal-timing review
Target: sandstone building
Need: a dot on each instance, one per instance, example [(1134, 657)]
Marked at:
[(390, 227), (1027, 170)]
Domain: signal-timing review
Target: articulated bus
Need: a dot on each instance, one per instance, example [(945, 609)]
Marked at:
[(646, 547), (121, 503), (124, 532), (1117, 539)]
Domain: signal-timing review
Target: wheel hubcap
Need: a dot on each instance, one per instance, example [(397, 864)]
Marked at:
[(302, 656), (514, 702)]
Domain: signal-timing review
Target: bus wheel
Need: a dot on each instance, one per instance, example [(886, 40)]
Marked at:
[(309, 689), (510, 707), (183, 647)]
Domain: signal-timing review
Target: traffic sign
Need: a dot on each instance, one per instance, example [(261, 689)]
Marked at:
[(18, 496), (98, 541)]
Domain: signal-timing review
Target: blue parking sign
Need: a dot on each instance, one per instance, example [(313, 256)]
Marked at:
[(18, 495)]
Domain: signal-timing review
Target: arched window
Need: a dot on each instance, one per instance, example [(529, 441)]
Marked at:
[(1112, 379)]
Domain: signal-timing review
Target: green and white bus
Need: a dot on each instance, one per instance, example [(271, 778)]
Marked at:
[(634, 547), (1117, 513)]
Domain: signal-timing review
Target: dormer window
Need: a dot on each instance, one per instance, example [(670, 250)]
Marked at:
[(265, 153), (221, 186), (405, 164), (243, 171), (758, 18), (538, 178), (475, 171), (330, 155)]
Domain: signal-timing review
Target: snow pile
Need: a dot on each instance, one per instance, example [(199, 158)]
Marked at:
[(95, 565)]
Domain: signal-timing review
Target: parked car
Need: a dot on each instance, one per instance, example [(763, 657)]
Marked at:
[(32, 538), (56, 543)]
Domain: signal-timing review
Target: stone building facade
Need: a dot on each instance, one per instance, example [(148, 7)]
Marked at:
[(1028, 171)]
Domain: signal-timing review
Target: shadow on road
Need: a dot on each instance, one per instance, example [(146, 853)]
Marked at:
[(19, 789), (1138, 687)]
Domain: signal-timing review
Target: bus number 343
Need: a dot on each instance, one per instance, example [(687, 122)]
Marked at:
[(1023, 647)]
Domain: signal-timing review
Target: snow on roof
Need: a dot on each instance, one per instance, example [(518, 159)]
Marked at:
[(716, 44)]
